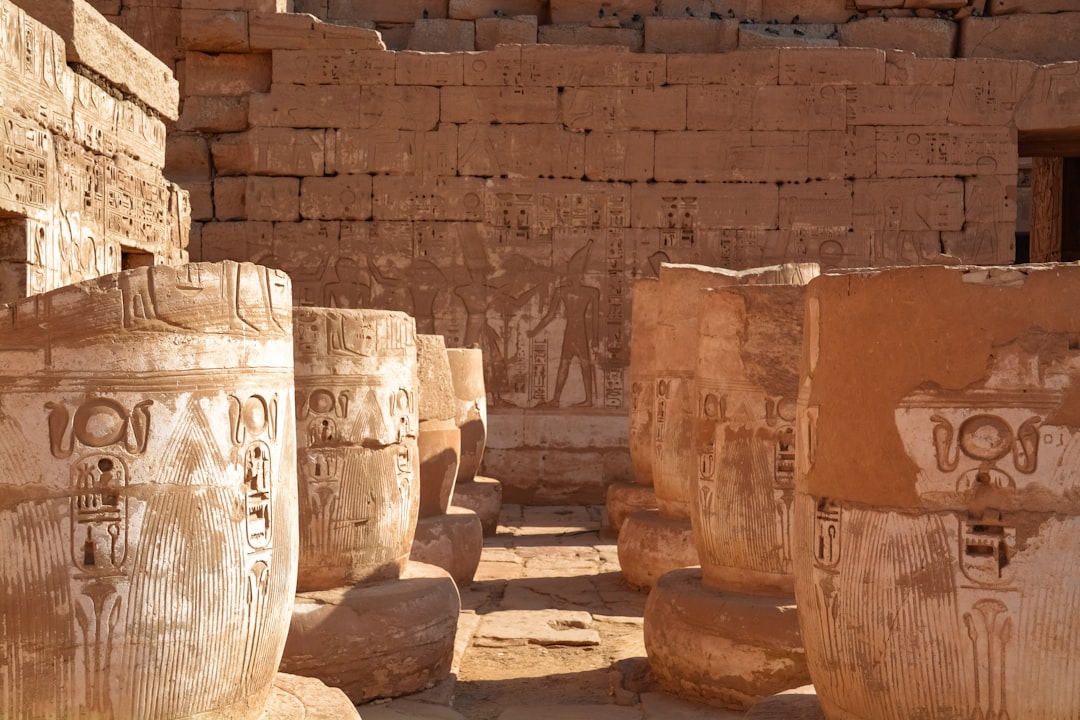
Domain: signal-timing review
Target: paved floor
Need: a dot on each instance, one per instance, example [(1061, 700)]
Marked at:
[(548, 630)]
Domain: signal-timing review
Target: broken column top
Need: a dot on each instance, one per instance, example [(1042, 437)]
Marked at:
[(93, 42), (435, 382)]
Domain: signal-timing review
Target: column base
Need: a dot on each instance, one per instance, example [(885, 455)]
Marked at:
[(624, 498), (295, 696), (482, 495), (452, 542), (379, 639), (721, 648), (800, 703), (651, 545)]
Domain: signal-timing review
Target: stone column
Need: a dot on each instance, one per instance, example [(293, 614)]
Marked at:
[(366, 620), (726, 633), (147, 458), (624, 498), (937, 520), (449, 537), (482, 495)]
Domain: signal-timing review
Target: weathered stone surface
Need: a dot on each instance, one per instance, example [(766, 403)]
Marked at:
[(152, 410), (467, 373), (925, 37), (494, 31), (644, 369), (357, 457), (484, 9), (287, 31), (745, 386), (800, 703), (439, 438), (451, 540), (92, 41), (624, 498), (651, 544), (585, 34), (483, 495), (504, 628), (1008, 7), (1041, 38), (722, 648), (299, 698), (689, 34), (442, 35), (760, 36), (971, 486), (380, 639)]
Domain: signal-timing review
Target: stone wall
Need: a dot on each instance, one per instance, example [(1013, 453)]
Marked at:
[(82, 134), (509, 198)]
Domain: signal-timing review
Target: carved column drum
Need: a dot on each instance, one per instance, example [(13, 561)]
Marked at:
[(745, 388), (644, 315), (147, 456), (439, 439), (357, 458), (937, 510), (675, 457), (467, 372)]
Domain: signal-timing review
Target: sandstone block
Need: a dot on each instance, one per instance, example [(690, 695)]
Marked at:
[(498, 66), (270, 151), (399, 11), (921, 151), (583, 34), (230, 198), (631, 108), (835, 154), (559, 66), (925, 37), (499, 105), (507, 628), (467, 373), (187, 157), (288, 31), (494, 31), (214, 113), (441, 198), (334, 67), (672, 206), (220, 239), (651, 545), (820, 66), (797, 107), (730, 156), (395, 37), (1042, 39), (988, 92), (759, 36), (644, 369), (407, 107), (809, 11), (511, 151), (442, 35), (344, 197), (904, 68), (91, 40), (305, 106), (380, 639), (626, 155), (690, 35), (226, 73), (719, 107), (721, 648), (272, 198), (706, 8), (439, 438), (899, 104), (452, 541), (393, 152), (423, 68), (215, 31), (748, 67), (1008, 7), (818, 204), (485, 9), (907, 205), (579, 11), (1052, 100)]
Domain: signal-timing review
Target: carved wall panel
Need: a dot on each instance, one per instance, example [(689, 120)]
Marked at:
[(358, 465), (148, 453)]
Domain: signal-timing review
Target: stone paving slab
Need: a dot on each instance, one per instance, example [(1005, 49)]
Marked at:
[(506, 628), (661, 706), (572, 712), (404, 709)]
